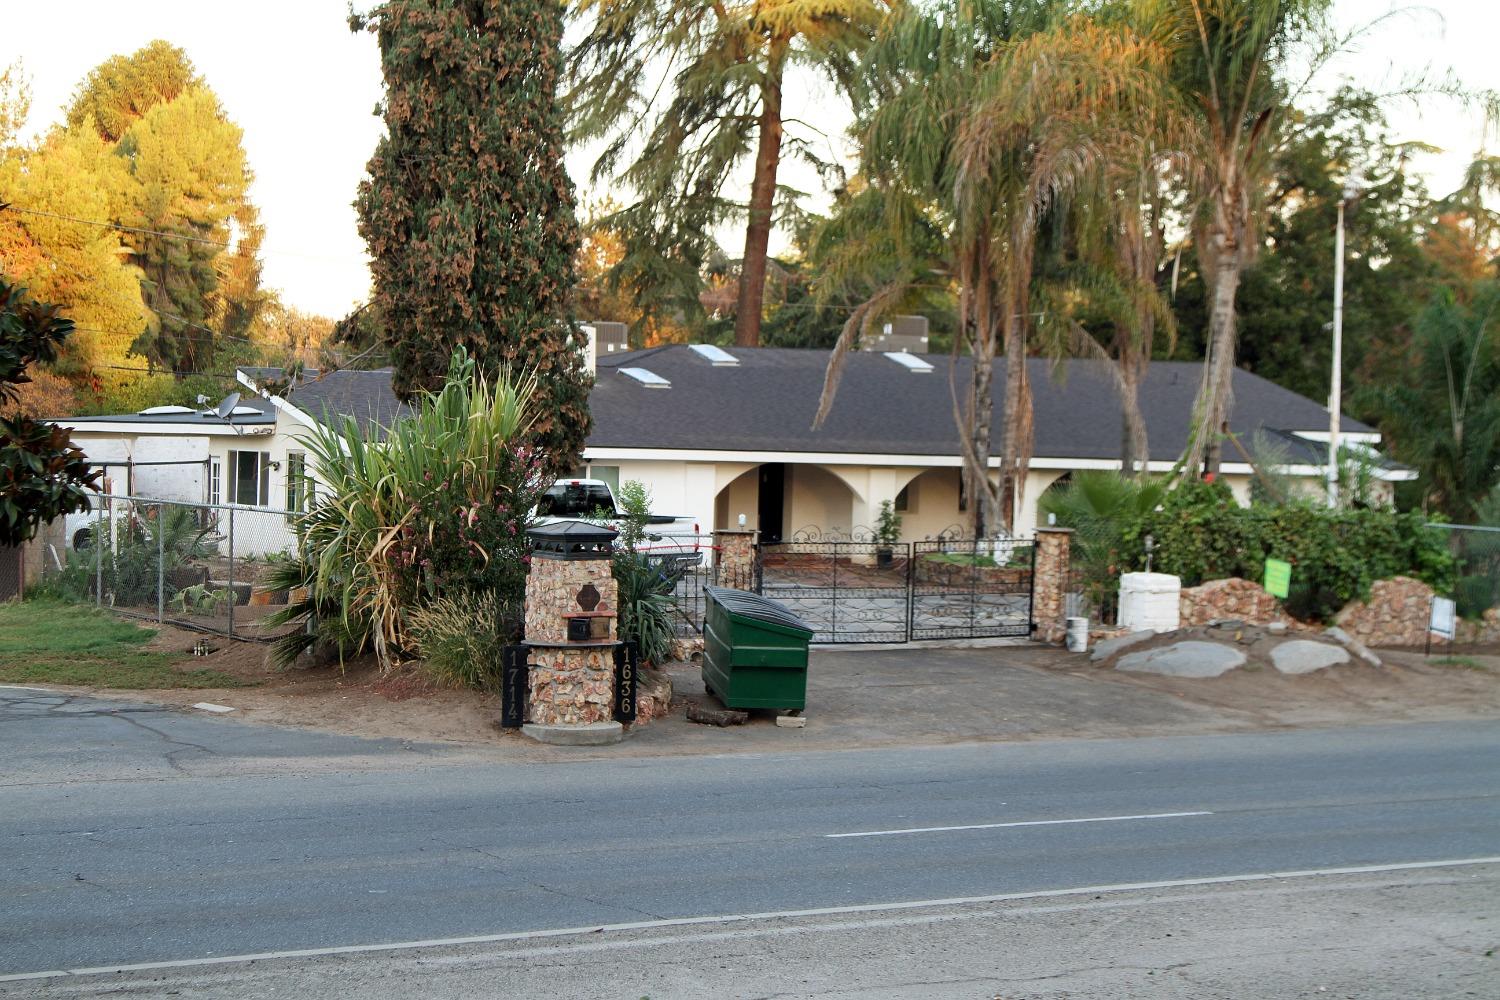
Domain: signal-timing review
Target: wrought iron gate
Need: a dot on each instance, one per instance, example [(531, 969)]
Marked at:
[(972, 589), (845, 591), (854, 592)]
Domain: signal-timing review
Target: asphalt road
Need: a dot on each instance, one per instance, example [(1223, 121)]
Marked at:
[(136, 836)]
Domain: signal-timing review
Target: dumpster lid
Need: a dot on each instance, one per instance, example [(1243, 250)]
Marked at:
[(754, 606)]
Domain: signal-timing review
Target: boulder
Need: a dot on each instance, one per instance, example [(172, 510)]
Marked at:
[(1106, 648), (1184, 659), (1303, 656)]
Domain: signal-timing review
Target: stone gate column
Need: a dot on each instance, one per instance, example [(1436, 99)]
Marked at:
[(1049, 583), (572, 601), (734, 555)]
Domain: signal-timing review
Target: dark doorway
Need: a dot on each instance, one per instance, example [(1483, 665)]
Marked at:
[(772, 501)]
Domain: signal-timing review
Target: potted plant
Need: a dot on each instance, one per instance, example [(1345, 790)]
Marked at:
[(887, 534)]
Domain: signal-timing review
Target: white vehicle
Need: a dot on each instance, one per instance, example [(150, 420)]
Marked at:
[(79, 526), (673, 542)]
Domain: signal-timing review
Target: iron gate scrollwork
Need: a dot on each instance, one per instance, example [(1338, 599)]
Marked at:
[(846, 592)]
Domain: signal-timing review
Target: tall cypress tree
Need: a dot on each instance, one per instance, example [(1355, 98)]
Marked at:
[(467, 210)]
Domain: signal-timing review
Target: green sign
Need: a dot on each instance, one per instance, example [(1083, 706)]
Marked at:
[(1278, 578)]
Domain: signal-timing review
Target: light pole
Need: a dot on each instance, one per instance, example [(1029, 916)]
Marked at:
[(1336, 383)]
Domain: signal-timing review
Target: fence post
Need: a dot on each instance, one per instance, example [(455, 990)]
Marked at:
[(99, 556), (734, 558), (161, 563), (1049, 583), (231, 571)]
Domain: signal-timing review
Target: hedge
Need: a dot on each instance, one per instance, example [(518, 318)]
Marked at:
[(1201, 533)]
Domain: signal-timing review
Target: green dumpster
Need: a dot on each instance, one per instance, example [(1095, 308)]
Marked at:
[(754, 651)]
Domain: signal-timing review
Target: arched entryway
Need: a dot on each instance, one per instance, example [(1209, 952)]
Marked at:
[(785, 501)]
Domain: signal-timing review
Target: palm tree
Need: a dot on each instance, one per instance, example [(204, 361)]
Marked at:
[(996, 113), (1228, 61), (687, 89), (1445, 418)]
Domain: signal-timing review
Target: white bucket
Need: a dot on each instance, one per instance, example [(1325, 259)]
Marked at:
[(1078, 635)]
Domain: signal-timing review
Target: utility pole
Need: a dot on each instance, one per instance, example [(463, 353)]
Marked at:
[(1336, 387)]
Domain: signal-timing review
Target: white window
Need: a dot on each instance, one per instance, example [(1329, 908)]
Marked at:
[(298, 486), (215, 481), (250, 478), (607, 473)]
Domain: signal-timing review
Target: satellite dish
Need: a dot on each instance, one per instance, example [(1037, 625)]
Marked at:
[(227, 404)]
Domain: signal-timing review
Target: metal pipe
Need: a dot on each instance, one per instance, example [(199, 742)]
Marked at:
[(161, 564), (231, 571)]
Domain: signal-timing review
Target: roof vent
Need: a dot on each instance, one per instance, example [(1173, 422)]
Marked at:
[(161, 411), (719, 357), (647, 378), (908, 361)]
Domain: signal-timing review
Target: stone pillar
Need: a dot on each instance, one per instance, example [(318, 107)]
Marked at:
[(1049, 583), (734, 554), (571, 688)]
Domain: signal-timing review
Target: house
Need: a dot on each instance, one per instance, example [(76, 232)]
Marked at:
[(717, 434), (720, 433)]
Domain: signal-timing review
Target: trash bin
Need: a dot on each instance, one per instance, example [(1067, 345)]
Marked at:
[(754, 651)]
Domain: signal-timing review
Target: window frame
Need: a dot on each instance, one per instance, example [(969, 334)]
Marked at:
[(261, 479)]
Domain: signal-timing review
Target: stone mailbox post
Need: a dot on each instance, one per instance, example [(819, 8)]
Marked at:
[(572, 602)]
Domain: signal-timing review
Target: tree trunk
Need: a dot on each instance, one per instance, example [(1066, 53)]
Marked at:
[(1223, 255), (982, 403), (1134, 448), (1014, 449), (762, 202), (1218, 382)]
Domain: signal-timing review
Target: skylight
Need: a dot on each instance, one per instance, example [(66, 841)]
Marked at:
[(647, 378), (908, 361), (717, 355), (159, 411)]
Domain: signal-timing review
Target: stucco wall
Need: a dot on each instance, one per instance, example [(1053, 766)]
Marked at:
[(740, 496), (817, 499)]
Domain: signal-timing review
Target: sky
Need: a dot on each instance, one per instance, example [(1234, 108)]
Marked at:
[(303, 89)]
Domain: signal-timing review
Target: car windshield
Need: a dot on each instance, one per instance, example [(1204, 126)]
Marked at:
[(576, 500)]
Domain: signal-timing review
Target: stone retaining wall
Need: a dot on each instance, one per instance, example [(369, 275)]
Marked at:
[(1486, 631), (1398, 612), (1233, 598)]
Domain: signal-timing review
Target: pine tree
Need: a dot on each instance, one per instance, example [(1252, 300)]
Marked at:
[(467, 210)]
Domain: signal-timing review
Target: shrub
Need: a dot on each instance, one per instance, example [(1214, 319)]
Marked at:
[(646, 605), (1202, 534), (1101, 507), (462, 637), (436, 503)]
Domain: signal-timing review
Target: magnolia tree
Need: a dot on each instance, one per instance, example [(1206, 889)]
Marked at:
[(42, 474)]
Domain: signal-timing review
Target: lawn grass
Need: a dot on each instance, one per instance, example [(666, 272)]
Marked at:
[(1459, 661), (55, 643)]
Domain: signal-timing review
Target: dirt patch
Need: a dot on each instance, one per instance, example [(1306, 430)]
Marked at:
[(910, 695), (1408, 687)]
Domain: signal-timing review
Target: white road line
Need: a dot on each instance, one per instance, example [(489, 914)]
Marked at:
[(734, 918), (1029, 822)]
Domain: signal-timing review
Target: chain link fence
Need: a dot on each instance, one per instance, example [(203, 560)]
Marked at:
[(206, 567), (1477, 551)]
